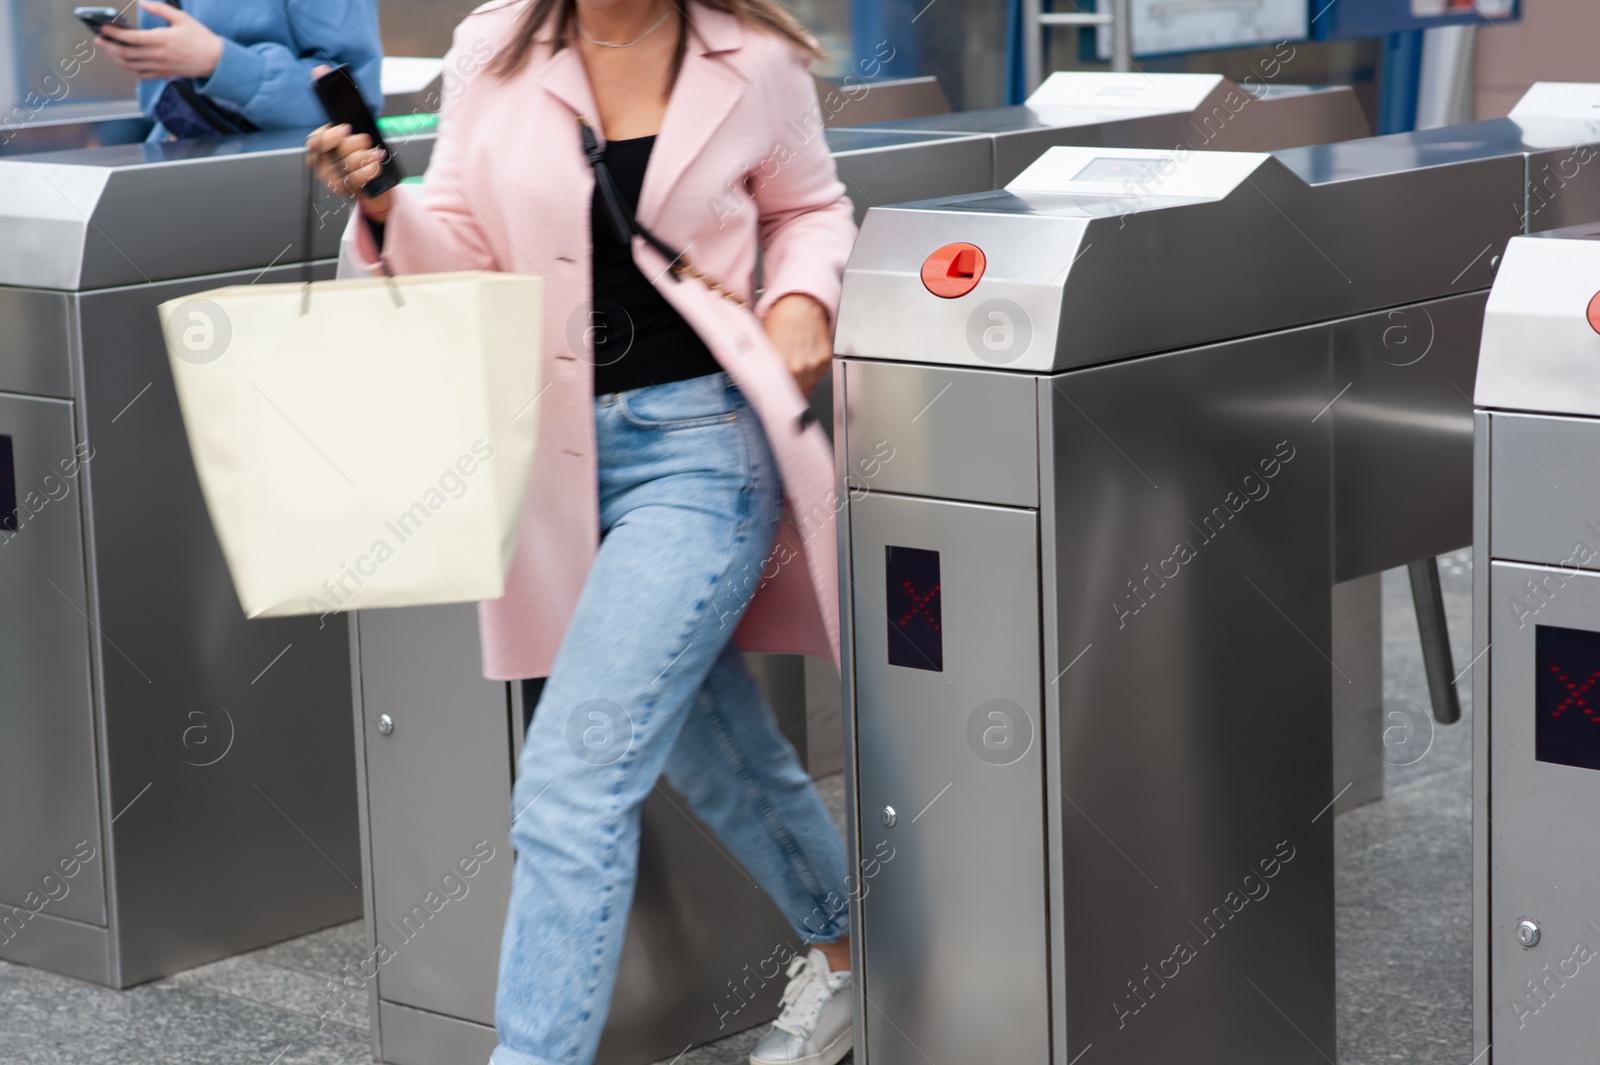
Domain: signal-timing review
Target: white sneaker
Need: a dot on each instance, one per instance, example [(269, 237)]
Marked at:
[(815, 1025)]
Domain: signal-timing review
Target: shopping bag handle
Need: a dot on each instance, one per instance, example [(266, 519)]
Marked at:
[(306, 256)]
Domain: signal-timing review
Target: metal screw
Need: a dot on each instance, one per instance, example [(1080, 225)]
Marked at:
[(889, 817), (1528, 933), (385, 724)]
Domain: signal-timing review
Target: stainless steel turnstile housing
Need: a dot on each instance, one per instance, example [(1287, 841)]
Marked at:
[(975, 151), (1536, 606), (1096, 507), (192, 769)]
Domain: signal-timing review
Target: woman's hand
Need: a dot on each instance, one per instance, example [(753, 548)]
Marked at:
[(798, 327), (183, 48), (345, 161)]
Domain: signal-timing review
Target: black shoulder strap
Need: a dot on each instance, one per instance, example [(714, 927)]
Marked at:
[(622, 225)]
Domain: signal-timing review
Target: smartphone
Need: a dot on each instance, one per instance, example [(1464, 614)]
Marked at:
[(96, 17), (344, 105)]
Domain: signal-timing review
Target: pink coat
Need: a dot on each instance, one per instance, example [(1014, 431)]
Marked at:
[(740, 162)]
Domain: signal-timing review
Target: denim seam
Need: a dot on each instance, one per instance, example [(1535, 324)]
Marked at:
[(608, 856), (591, 983), (591, 988), (759, 799), (697, 421)]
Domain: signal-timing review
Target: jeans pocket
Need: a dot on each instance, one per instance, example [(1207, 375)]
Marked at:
[(694, 403)]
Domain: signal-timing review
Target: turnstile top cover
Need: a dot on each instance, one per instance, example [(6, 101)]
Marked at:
[(1550, 115), (844, 139), (1081, 98), (99, 217), (1541, 330), (1113, 91), (1097, 254)]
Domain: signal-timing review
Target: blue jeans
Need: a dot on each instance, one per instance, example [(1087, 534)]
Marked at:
[(647, 681)]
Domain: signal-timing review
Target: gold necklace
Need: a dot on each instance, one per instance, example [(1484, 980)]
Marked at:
[(613, 44)]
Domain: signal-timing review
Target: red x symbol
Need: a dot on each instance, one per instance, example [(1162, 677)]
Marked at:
[(919, 605), (1575, 694)]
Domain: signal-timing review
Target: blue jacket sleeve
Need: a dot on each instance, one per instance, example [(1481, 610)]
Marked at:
[(270, 83)]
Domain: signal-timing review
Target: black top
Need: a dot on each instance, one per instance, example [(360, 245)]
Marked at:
[(639, 339)]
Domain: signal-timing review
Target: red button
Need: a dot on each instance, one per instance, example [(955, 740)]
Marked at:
[(953, 270), (1594, 307)]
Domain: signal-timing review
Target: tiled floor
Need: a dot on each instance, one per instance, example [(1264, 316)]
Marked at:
[(258, 1008), (1403, 929), (1403, 934)]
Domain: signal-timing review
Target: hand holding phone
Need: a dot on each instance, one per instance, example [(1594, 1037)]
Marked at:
[(342, 101), (97, 17)]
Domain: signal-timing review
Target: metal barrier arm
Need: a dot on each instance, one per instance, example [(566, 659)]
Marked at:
[(1434, 631)]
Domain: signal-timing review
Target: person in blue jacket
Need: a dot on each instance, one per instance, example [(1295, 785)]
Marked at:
[(227, 66)]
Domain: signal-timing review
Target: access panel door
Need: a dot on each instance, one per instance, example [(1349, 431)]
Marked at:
[(48, 788), (1544, 792), (947, 704), (438, 807), (698, 957)]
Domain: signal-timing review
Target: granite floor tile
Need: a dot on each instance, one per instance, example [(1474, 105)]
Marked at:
[(323, 953), (1403, 925), (1404, 865), (734, 1050), (53, 1020), (307, 994), (1405, 684)]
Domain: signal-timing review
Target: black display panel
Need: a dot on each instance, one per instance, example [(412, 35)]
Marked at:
[(1566, 699), (916, 617), (8, 486)]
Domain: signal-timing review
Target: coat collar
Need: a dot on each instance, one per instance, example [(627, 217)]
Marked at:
[(709, 87)]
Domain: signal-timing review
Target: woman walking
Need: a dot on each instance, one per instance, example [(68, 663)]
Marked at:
[(637, 154)]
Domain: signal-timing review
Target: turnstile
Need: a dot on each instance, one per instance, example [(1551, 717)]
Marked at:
[(689, 972), (178, 780), (1193, 112), (1144, 408), (189, 778), (1536, 609), (1553, 129), (975, 151)]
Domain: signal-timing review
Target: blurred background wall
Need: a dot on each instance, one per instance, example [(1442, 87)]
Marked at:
[(49, 70), (963, 43), (1557, 40)]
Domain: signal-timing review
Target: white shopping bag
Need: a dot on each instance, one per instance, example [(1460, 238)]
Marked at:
[(361, 443)]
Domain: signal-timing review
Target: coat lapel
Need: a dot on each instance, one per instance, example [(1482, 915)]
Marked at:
[(709, 87), (563, 76)]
